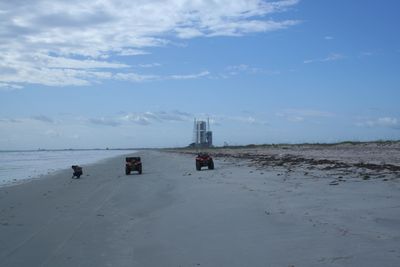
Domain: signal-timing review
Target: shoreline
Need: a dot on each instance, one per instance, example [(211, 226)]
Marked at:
[(34, 173)]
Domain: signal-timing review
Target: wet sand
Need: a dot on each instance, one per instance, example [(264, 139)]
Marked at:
[(243, 213)]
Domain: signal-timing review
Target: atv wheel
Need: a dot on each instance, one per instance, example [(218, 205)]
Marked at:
[(127, 171), (198, 166), (140, 170), (211, 165)]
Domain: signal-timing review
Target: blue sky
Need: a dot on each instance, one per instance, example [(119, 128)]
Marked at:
[(94, 74)]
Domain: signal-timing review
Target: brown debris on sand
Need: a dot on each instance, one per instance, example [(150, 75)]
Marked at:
[(365, 160)]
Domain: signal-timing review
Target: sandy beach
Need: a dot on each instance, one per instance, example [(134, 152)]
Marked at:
[(259, 207)]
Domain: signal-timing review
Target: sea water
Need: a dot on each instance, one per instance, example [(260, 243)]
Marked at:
[(19, 166)]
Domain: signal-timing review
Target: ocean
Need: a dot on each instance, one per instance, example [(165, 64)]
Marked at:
[(20, 166)]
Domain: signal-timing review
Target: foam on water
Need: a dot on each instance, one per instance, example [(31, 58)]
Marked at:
[(18, 166)]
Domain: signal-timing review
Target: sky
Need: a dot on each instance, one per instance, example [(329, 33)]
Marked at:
[(120, 73)]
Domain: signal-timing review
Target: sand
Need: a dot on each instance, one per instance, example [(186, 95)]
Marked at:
[(240, 214), (369, 160)]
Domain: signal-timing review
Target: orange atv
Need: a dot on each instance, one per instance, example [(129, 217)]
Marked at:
[(133, 164), (203, 159)]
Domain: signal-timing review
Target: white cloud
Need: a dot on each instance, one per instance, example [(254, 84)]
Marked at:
[(188, 76), (69, 63), (149, 65), (366, 54), (330, 57), (140, 118), (187, 33), (9, 87), (244, 68), (59, 43), (104, 121), (146, 118), (243, 27), (251, 120), (135, 77), (131, 52), (6, 120), (300, 115), (386, 122), (137, 119), (143, 118), (43, 118)]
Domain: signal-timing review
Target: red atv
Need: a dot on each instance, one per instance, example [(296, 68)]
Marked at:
[(133, 164), (203, 159)]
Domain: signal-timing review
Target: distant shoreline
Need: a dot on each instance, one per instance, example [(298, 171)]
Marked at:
[(382, 142), (22, 166), (379, 142), (74, 149)]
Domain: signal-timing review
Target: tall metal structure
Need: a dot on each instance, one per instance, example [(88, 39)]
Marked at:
[(202, 135)]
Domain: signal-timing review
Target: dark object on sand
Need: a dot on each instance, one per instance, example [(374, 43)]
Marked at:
[(77, 171), (203, 159), (133, 164), (334, 183)]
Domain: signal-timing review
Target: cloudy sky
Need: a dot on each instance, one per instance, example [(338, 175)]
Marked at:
[(119, 73)]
